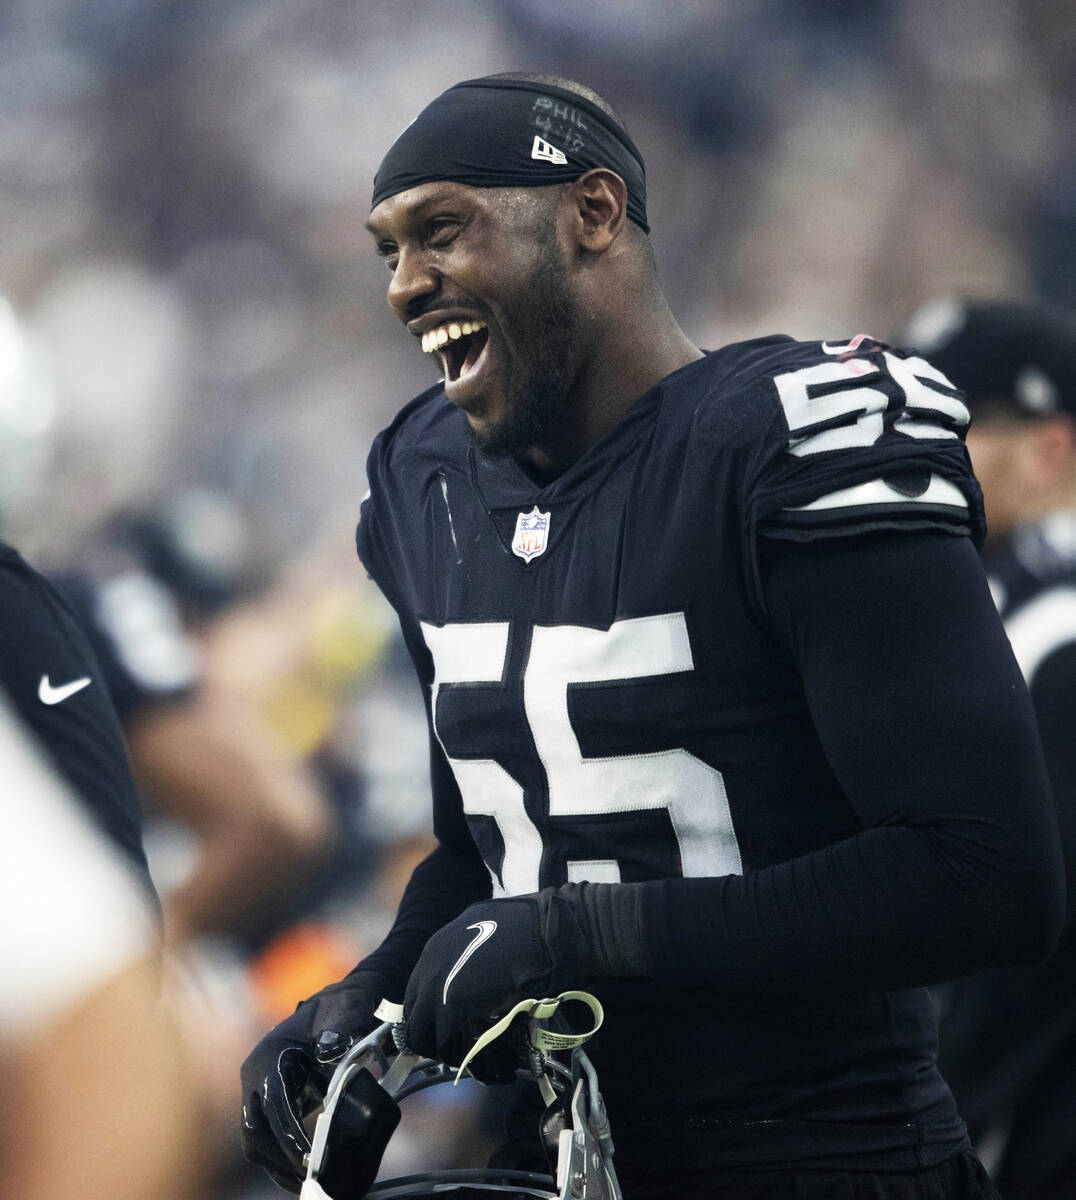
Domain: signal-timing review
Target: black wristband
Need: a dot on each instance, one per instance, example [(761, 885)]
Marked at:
[(611, 915)]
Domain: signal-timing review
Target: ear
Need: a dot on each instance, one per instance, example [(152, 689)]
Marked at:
[(599, 208)]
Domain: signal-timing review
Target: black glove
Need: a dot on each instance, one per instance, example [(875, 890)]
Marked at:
[(286, 1074), (501, 951)]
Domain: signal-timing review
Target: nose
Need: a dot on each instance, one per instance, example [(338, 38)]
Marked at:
[(412, 282)]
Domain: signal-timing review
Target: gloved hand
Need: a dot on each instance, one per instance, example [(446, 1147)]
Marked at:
[(287, 1072), (498, 952)]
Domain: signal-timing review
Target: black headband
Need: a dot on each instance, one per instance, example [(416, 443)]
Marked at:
[(510, 133)]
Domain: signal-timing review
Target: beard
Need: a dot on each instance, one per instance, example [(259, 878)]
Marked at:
[(538, 385)]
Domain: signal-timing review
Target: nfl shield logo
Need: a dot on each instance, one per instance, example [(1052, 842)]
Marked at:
[(532, 533)]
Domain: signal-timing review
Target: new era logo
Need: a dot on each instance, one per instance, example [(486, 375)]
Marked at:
[(543, 151)]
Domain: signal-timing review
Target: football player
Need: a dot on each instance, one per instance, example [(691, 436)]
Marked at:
[(98, 1085), (724, 724), (1009, 1038)]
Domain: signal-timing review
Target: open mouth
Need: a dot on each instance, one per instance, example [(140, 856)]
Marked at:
[(460, 345)]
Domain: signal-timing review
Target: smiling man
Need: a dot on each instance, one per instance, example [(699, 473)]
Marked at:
[(514, 389), (724, 726)]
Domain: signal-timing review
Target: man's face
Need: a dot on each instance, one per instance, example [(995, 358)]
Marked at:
[(479, 277), (1005, 455)]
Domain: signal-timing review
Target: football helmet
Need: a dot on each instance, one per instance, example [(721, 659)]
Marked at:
[(361, 1109)]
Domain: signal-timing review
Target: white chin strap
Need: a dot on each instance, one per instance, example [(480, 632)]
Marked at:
[(540, 1039)]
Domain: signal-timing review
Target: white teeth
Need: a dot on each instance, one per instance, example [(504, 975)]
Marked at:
[(434, 339)]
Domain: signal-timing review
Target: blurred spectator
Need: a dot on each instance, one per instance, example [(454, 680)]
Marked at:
[(98, 1099), (1009, 1039), (183, 188), (1053, 238), (257, 818)]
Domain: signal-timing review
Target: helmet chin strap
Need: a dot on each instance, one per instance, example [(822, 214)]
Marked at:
[(540, 1039)]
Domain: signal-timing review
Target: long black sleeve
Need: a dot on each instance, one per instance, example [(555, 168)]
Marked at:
[(928, 726)]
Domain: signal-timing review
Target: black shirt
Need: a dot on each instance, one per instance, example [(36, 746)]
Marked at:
[(136, 630), (1005, 1033), (630, 679), (55, 682)]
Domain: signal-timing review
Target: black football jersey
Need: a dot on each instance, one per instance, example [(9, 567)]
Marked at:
[(136, 631), (1033, 580), (1005, 1033), (1034, 584), (54, 681), (613, 704)]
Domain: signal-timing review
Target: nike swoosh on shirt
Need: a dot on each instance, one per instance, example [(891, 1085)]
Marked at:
[(486, 930), (48, 694)]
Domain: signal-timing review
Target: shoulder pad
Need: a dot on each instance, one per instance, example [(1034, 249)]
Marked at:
[(865, 438), (854, 392), (141, 622)]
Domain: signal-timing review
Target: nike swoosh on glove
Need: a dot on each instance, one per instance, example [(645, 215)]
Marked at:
[(286, 1074), (477, 967)]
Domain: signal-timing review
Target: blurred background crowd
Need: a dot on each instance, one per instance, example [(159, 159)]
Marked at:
[(195, 352), (183, 186)]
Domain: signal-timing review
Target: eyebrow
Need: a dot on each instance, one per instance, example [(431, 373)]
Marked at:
[(434, 198)]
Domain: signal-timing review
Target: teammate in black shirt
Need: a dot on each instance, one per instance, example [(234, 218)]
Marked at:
[(722, 714), (1009, 1038), (56, 685)]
